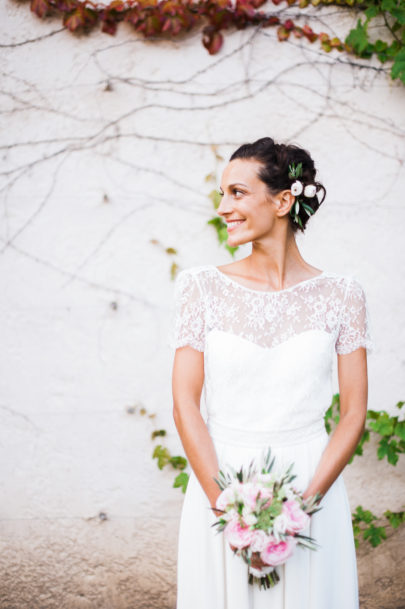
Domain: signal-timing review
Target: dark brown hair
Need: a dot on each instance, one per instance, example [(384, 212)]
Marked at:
[(275, 159)]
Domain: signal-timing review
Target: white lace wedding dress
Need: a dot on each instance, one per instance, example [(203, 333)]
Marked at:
[(268, 359)]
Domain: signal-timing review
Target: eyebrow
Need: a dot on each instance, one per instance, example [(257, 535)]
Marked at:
[(236, 184)]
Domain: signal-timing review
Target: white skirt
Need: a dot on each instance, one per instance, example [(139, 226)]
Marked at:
[(210, 576)]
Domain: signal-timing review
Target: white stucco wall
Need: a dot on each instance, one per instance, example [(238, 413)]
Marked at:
[(96, 182)]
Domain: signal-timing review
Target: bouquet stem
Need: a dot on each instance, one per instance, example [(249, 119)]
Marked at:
[(266, 581)]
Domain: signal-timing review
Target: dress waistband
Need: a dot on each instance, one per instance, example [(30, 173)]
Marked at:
[(242, 437)]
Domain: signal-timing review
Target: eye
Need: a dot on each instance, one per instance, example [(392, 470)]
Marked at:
[(235, 190)]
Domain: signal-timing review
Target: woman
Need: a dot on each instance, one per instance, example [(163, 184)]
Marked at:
[(256, 338)]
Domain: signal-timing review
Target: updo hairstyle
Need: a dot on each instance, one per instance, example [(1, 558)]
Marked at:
[(275, 159)]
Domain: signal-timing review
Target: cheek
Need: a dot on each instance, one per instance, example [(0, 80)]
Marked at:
[(262, 218)]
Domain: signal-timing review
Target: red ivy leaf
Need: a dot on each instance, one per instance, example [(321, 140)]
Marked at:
[(117, 5), (289, 24), (222, 4), (336, 43), (109, 26), (170, 7), (151, 26), (68, 6), (80, 18), (309, 33), (132, 16), (271, 21), (73, 20), (282, 33), (257, 3), (212, 40), (40, 7)]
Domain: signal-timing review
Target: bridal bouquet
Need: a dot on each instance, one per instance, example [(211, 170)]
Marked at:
[(263, 515)]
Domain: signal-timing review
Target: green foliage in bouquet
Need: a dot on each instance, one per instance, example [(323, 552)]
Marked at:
[(265, 513)]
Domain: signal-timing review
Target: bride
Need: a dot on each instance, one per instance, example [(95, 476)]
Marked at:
[(255, 342)]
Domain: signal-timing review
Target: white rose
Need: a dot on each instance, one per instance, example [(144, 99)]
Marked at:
[(280, 525), (232, 513), (248, 517), (296, 187), (310, 190)]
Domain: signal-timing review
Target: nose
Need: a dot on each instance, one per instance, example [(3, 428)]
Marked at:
[(225, 205)]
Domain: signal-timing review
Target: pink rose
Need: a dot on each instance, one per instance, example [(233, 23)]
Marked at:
[(260, 540), (238, 535), (297, 519), (253, 492), (276, 553)]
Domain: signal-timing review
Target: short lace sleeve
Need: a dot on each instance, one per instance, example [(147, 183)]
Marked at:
[(354, 329), (188, 323)]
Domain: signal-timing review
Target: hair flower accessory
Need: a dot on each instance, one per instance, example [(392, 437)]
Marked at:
[(297, 187), (310, 190)]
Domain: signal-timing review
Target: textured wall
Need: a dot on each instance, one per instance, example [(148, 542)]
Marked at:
[(106, 143)]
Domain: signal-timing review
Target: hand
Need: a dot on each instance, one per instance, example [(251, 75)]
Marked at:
[(257, 562)]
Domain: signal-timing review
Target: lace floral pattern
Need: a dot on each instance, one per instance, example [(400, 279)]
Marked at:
[(206, 299)]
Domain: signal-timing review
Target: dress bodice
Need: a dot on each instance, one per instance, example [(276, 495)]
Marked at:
[(268, 356)]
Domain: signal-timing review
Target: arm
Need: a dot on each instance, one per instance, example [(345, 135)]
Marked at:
[(353, 389), (187, 383)]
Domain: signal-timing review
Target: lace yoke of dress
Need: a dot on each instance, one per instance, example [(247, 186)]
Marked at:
[(207, 299)]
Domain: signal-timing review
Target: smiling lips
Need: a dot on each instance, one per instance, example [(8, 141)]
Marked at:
[(232, 224)]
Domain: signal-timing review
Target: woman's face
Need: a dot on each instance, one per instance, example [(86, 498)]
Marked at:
[(246, 203)]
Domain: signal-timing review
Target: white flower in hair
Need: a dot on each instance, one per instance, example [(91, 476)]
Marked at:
[(297, 187), (310, 190)]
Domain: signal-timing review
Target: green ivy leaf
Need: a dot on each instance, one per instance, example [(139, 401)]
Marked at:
[(358, 39), (395, 518), (399, 430), (364, 515), (181, 481), (223, 234), (162, 455), (231, 249), (375, 535), (157, 433), (398, 67), (397, 9), (215, 198), (387, 448), (178, 462), (372, 11), (384, 425)]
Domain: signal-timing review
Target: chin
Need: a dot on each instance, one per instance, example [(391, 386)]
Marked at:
[(236, 242)]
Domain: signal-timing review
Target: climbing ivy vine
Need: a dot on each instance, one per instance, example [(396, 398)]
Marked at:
[(156, 19)]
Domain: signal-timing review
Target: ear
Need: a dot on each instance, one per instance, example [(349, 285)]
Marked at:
[(285, 200)]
